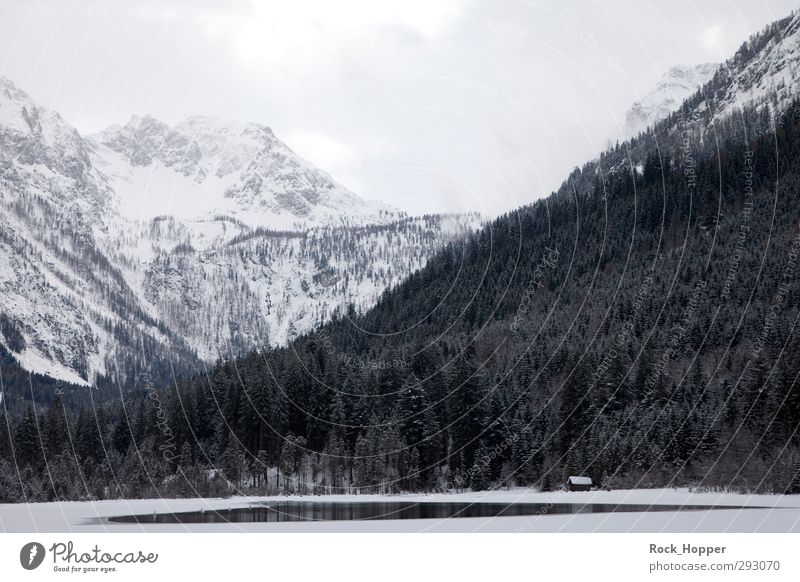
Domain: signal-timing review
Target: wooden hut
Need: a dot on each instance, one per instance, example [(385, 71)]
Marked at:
[(575, 483)]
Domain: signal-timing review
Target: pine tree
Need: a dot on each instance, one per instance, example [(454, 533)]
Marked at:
[(55, 428), (27, 441)]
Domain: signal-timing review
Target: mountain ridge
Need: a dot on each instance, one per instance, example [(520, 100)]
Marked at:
[(672, 89), (210, 166), (135, 288)]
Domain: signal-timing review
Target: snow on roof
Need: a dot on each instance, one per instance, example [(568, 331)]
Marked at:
[(580, 480)]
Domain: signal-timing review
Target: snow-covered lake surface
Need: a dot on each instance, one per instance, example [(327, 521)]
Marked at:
[(753, 513)]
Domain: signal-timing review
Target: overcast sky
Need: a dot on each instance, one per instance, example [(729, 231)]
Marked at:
[(431, 105)]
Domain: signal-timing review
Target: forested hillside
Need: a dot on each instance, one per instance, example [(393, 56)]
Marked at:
[(638, 326)]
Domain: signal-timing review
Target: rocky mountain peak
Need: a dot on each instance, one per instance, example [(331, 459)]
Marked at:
[(672, 89), (206, 166), (38, 137)]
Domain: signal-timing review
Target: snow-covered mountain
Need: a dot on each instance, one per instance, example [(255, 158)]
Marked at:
[(205, 167), (226, 287), (764, 72), (149, 246), (763, 75), (169, 246), (672, 89)]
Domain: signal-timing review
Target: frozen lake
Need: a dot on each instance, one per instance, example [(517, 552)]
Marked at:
[(514, 510), (291, 511)]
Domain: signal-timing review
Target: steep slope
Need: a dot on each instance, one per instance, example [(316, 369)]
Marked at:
[(261, 287), (764, 71), (61, 294), (672, 89)]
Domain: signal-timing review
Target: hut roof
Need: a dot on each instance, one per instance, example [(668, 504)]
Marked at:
[(575, 480)]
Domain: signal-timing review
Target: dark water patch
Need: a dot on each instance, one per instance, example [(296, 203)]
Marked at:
[(292, 511)]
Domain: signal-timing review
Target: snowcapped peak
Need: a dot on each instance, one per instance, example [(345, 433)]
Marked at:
[(10, 89), (197, 147), (689, 73), (145, 140), (37, 137), (199, 168), (207, 166), (18, 112), (204, 124), (147, 125), (675, 85), (763, 72), (227, 138)]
